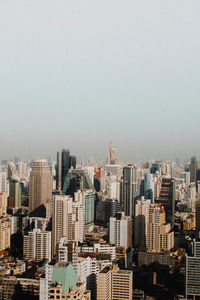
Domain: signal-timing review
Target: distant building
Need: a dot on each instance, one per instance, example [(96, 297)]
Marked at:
[(40, 189), (167, 199), (64, 163), (193, 169), (112, 155), (14, 194), (128, 190)]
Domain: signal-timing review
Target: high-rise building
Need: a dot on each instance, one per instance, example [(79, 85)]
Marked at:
[(14, 193), (40, 188), (64, 163), (114, 284), (192, 280), (141, 219), (3, 182), (159, 236), (197, 215), (193, 169), (167, 199), (12, 171), (68, 220), (149, 186), (37, 245), (120, 231), (3, 203), (112, 155), (4, 233), (106, 209), (186, 176), (128, 190)]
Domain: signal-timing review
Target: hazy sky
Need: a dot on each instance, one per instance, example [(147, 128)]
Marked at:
[(77, 74)]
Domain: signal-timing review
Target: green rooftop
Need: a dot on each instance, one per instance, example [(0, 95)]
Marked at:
[(66, 276)]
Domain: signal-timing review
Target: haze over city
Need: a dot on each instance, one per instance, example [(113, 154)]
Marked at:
[(82, 73)]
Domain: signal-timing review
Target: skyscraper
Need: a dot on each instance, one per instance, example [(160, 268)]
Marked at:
[(193, 169), (64, 163), (14, 193), (112, 155), (68, 220), (114, 284), (167, 199), (128, 190), (198, 218), (192, 281), (121, 230), (40, 188)]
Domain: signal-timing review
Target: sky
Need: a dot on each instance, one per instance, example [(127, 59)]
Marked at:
[(79, 74)]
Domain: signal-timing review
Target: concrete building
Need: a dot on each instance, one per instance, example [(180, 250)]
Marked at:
[(102, 248), (14, 194), (40, 189), (114, 284), (3, 203), (192, 280), (120, 231), (68, 220), (4, 233), (37, 245), (197, 215), (128, 186), (112, 155), (193, 169), (61, 282), (159, 236), (3, 182), (141, 220)]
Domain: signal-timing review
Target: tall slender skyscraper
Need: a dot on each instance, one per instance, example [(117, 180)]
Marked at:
[(112, 155), (128, 190), (167, 199), (40, 187), (64, 163), (193, 169)]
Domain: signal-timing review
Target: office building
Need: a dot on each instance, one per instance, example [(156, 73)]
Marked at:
[(40, 189), (167, 199), (192, 280), (106, 209), (64, 163), (193, 169), (128, 190), (14, 194), (197, 215)]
